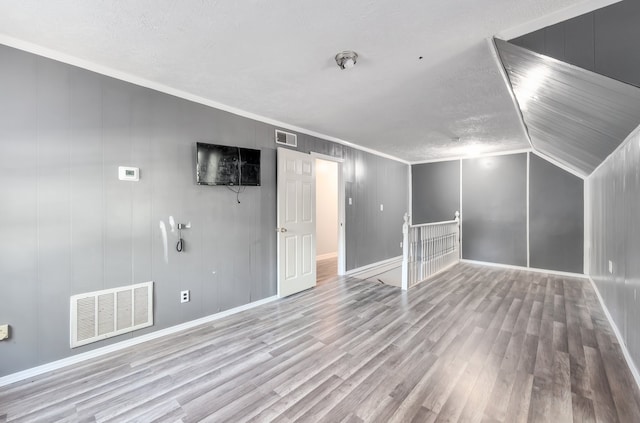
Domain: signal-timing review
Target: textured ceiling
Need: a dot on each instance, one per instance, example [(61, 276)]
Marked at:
[(275, 59), (576, 116)]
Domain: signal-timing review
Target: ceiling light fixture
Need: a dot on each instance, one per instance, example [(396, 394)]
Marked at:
[(347, 59)]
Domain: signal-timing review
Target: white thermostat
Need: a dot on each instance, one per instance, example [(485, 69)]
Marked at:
[(128, 173)]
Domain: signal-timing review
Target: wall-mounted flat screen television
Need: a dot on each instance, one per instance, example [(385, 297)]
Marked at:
[(226, 165)]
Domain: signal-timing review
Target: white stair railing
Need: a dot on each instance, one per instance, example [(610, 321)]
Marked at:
[(428, 249)]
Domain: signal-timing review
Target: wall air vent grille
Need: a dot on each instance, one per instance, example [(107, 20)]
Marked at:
[(286, 138), (102, 314)]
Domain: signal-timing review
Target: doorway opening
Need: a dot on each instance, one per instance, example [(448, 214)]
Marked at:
[(329, 219)]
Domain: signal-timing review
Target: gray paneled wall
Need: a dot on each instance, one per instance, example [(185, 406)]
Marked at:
[(371, 181), (614, 207), (494, 213), (494, 209), (603, 41), (69, 225), (556, 218), (435, 191)]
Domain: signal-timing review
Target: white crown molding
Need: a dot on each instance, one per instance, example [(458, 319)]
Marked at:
[(475, 156), (133, 79)]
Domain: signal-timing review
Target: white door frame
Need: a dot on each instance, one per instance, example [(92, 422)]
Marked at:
[(342, 262)]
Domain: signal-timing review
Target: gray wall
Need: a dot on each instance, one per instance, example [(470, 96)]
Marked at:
[(371, 181), (69, 225), (603, 41), (556, 218), (494, 205), (494, 209), (435, 191), (614, 206)]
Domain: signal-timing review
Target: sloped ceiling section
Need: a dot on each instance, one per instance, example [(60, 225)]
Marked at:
[(572, 115)]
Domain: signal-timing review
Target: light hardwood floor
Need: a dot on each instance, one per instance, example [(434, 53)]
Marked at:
[(474, 344), (326, 269)]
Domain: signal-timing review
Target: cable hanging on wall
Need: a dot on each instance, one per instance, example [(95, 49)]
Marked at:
[(240, 188), (180, 244)]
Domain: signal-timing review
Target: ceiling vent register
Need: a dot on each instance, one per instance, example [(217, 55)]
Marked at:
[(286, 138)]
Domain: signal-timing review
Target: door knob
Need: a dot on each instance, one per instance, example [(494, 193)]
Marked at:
[(281, 229)]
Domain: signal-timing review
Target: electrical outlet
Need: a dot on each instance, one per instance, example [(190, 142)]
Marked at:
[(4, 332), (400, 244), (381, 207), (350, 201), (610, 267), (184, 296)]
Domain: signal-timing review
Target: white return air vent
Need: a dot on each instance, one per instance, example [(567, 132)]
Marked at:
[(286, 138), (103, 314)]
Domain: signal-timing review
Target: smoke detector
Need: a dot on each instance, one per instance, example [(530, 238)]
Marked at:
[(347, 59)]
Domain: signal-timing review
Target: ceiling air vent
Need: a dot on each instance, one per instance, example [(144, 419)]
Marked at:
[(286, 138)]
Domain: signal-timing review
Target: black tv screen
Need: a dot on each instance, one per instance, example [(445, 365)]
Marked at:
[(226, 165)]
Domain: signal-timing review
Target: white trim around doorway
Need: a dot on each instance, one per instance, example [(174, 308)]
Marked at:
[(342, 255)]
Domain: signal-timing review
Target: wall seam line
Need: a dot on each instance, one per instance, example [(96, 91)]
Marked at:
[(528, 207)]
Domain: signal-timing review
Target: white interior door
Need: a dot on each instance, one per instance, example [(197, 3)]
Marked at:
[(296, 222)]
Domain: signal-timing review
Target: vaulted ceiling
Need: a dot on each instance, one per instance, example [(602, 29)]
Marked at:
[(572, 115), (577, 84), (427, 73)]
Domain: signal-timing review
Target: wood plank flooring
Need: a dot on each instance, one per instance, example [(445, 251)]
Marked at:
[(474, 344), (326, 269)]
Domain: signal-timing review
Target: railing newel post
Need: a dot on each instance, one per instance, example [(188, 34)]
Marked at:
[(429, 248), (405, 252)]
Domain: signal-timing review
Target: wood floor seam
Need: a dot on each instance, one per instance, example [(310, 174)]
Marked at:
[(473, 344)]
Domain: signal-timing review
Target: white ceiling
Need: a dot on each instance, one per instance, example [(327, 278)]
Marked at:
[(275, 59)]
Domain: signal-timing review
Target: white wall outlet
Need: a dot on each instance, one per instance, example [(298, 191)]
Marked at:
[(4, 332), (350, 201), (184, 296), (381, 207), (610, 267)]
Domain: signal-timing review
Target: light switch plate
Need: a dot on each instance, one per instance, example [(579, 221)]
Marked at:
[(4, 332)]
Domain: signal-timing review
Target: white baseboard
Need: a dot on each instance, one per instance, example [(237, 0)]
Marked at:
[(381, 266), (530, 269), (327, 256), (54, 365), (623, 345)]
